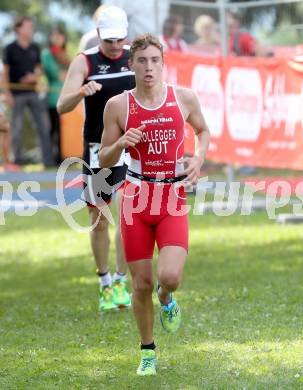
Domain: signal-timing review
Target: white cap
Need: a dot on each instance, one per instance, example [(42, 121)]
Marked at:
[(112, 23)]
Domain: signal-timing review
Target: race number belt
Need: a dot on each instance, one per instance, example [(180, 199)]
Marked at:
[(155, 179)]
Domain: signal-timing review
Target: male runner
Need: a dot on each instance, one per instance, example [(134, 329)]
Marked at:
[(96, 75), (149, 120)]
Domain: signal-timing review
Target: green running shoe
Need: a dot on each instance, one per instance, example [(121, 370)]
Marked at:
[(170, 316), (148, 362), (106, 299), (121, 296)]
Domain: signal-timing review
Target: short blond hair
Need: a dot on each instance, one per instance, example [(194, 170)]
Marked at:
[(203, 21), (142, 42), (98, 12)]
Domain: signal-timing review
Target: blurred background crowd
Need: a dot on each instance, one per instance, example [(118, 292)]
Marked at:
[(38, 45)]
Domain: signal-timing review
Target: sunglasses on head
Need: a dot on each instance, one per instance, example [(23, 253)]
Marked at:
[(114, 40)]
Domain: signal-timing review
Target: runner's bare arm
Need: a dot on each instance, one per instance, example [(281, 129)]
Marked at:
[(111, 147), (196, 120), (73, 91), (114, 140), (193, 115)]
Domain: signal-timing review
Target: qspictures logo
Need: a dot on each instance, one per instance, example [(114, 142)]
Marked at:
[(227, 198)]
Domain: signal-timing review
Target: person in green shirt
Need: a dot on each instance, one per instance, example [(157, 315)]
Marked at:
[(55, 63)]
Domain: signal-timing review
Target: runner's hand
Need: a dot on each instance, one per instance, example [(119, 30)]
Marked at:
[(90, 88), (192, 170), (131, 137)]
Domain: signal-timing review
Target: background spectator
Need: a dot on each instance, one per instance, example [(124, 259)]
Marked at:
[(55, 62), (240, 43), (173, 28), (22, 67), (208, 42)]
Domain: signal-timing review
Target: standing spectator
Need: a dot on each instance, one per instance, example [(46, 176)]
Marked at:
[(55, 62), (172, 31), (22, 68), (208, 42), (241, 43)]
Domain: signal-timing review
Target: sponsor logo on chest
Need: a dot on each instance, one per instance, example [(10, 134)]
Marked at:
[(102, 69), (157, 121)]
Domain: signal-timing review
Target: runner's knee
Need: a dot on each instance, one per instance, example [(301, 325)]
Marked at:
[(143, 286), (102, 224), (170, 281), (101, 227)]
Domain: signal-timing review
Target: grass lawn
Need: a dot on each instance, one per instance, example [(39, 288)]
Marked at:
[(241, 299)]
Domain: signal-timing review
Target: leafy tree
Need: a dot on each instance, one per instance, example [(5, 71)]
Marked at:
[(39, 11), (27, 6), (276, 23)]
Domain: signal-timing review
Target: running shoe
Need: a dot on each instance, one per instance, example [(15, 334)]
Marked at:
[(121, 296), (170, 316), (148, 362), (106, 299)]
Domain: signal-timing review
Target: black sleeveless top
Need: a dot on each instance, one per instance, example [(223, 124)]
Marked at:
[(115, 77)]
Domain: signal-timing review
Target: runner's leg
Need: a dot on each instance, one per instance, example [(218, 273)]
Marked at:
[(121, 265), (142, 277), (170, 268), (99, 238)]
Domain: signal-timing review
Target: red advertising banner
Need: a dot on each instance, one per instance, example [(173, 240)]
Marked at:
[(253, 107)]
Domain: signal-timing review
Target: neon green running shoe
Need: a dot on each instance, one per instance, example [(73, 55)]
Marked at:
[(106, 299), (170, 316), (148, 362), (121, 296)]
